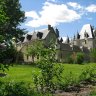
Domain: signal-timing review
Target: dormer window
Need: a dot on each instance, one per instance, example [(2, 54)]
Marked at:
[(29, 37), (39, 35), (22, 39), (86, 34)]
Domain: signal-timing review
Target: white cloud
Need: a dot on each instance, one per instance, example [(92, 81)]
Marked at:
[(32, 14), (91, 8), (74, 5), (52, 14)]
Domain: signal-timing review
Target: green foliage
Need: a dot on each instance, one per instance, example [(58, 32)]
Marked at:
[(3, 67), (49, 72), (70, 60), (33, 49), (17, 89), (93, 93), (79, 58), (1, 38), (7, 56), (3, 17), (93, 55), (69, 83), (88, 76), (10, 18)]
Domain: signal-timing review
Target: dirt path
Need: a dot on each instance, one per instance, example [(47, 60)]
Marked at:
[(84, 92)]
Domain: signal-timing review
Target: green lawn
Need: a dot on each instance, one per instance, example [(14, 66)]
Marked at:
[(24, 72), (20, 73)]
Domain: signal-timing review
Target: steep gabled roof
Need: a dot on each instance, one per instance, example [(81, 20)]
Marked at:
[(45, 33), (88, 29), (34, 35)]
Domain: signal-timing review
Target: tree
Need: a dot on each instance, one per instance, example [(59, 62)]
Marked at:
[(33, 49), (49, 71), (11, 16), (11, 9)]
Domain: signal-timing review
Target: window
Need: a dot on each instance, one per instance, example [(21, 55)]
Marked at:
[(85, 42), (27, 57)]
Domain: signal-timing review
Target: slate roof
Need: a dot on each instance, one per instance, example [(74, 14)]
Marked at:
[(34, 35), (88, 29)]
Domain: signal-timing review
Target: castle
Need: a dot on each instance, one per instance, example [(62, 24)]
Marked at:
[(83, 41)]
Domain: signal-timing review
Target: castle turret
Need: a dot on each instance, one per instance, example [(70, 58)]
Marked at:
[(57, 32)]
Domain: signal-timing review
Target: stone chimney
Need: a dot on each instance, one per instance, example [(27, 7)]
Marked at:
[(49, 27)]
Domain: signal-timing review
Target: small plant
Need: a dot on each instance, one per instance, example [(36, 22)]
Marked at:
[(69, 83), (3, 67), (17, 89), (88, 76), (49, 71)]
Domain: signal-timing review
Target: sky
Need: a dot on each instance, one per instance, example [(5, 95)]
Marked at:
[(67, 15)]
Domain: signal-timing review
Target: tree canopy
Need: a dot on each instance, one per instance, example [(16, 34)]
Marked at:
[(11, 16)]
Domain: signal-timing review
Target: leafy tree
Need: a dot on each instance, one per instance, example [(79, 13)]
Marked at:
[(13, 16), (33, 49), (49, 71), (3, 16)]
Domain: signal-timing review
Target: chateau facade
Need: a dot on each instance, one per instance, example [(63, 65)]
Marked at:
[(83, 41)]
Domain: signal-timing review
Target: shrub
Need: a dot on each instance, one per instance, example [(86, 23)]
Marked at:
[(79, 58), (17, 89), (69, 83), (76, 58), (88, 75), (49, 71), (70, 60)]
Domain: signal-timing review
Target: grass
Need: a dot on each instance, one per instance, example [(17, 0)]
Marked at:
[(19, 73), (24, 73)]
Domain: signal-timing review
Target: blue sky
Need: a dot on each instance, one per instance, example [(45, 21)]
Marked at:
[(67, 15)]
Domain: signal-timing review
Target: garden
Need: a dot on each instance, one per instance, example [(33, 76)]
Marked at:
[(46, 76), (21, 78)]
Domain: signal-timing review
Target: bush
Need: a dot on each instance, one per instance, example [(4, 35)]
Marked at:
[(69, 83), (70, 60), (79, 58), (17, 89), (76, 58), (8, 54), (88, 76)]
